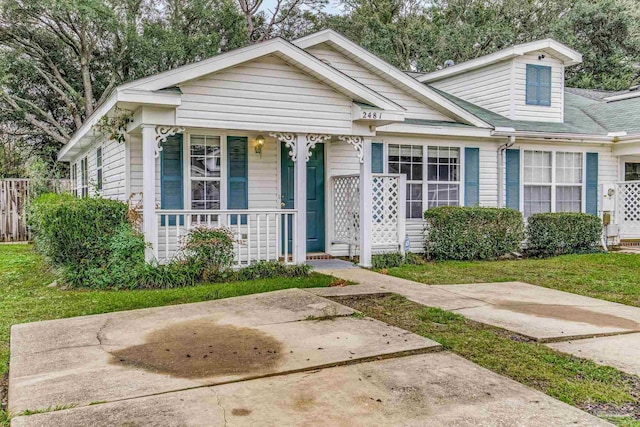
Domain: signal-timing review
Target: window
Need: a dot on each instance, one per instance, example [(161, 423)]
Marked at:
[(84, 178), (407, 159), (74, 178), (569, 182), (540, 187), (443, 177), (204, 175), (99, 168), (538, 91), (631, 171)]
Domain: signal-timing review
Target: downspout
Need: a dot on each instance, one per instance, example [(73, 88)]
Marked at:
[(501, 150)]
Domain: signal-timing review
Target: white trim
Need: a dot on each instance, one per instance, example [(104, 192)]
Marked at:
[(382, 67), (563, 52)]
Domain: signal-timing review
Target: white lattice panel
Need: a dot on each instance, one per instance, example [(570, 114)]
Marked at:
[(628, 208), (346, 201), (385, 213), (386, 195)]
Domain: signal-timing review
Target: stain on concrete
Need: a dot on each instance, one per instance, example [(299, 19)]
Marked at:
[(202, 348), (304, 402), (570, 313), (240, 412)]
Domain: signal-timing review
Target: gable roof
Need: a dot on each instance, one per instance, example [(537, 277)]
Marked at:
[(559, 50), (279, 47), (388, 71)]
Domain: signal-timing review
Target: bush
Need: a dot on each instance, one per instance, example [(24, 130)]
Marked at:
[(210, 250), (550, 234), (270, 269), (388, 260), (73, 231), (466, 233)]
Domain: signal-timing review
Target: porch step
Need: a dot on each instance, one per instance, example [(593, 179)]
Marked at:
[(318, 255)]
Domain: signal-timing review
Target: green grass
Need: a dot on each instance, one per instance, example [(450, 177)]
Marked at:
[(601, 390), (609, 276), (25, 297)]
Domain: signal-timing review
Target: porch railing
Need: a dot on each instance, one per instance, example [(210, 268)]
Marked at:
[(260, 235)]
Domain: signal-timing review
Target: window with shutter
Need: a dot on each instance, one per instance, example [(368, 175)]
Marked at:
[(538, 90)]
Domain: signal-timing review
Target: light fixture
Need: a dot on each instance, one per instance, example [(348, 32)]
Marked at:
[(259, 144)]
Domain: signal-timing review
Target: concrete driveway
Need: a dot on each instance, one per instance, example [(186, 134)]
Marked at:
[(281, 358)]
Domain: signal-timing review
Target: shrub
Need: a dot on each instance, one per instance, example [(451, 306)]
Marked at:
[(552, 234), (176, 274), (465, 233), (388, 260), (74, 231), (209, 249), (270, 269)]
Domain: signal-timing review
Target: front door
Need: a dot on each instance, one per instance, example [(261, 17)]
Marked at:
[(315, 194)]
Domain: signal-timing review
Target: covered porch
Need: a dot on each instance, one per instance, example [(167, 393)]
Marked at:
[(285, 196)]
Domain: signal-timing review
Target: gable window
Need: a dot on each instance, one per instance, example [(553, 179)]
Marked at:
[(408, 160), (99, 168), (538, 90), (546, 191), (443, 177), (204, 175), (84, 178)]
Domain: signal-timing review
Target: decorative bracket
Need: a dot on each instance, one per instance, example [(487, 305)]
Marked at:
[(164, 132), (289, 140), (312, 140), (357, 142)]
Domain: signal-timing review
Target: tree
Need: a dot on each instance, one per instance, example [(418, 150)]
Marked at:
[(603, 31)]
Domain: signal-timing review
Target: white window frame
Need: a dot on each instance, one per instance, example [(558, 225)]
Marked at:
[(74, 178), (460, 173), (409, 182), (425, 148), (84, 176), (186, 159), (554, 184), (100, 169)]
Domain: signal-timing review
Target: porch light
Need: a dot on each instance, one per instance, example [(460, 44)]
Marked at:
[(259, 144)]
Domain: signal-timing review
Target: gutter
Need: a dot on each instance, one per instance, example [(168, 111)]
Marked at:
[(569, 137), (511, 133)]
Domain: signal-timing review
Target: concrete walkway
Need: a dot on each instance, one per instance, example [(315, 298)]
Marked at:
[(275, 359), (602, 331)]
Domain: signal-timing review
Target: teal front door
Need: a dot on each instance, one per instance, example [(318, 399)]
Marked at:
[(315, 195)]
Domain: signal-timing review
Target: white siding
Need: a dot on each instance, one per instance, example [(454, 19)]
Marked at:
[(113, 169), (416, 109), (522, 111), (266, 93), (501, 88), (488, 87), (264, 190)]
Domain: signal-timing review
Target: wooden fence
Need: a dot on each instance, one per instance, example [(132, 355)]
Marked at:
[(14, 194)]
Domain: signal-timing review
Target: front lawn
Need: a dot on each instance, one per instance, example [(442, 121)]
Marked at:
[(609, 276), (25, 297), (600, 390)]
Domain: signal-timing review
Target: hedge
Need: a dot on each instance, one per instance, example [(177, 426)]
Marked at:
[(467, 233), (550, 234)]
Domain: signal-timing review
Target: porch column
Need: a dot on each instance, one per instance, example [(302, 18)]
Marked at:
[(150, 225), (300, 198), (366, 203)]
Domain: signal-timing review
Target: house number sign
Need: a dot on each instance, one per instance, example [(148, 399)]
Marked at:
[(372, 115)]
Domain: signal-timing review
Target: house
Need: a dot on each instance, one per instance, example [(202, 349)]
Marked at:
[(317, 146)]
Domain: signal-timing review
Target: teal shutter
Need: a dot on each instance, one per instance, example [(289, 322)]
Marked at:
[(171, 179), (513, 179), (377, 157), (591, 201), (237, 175), (471, 176)]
